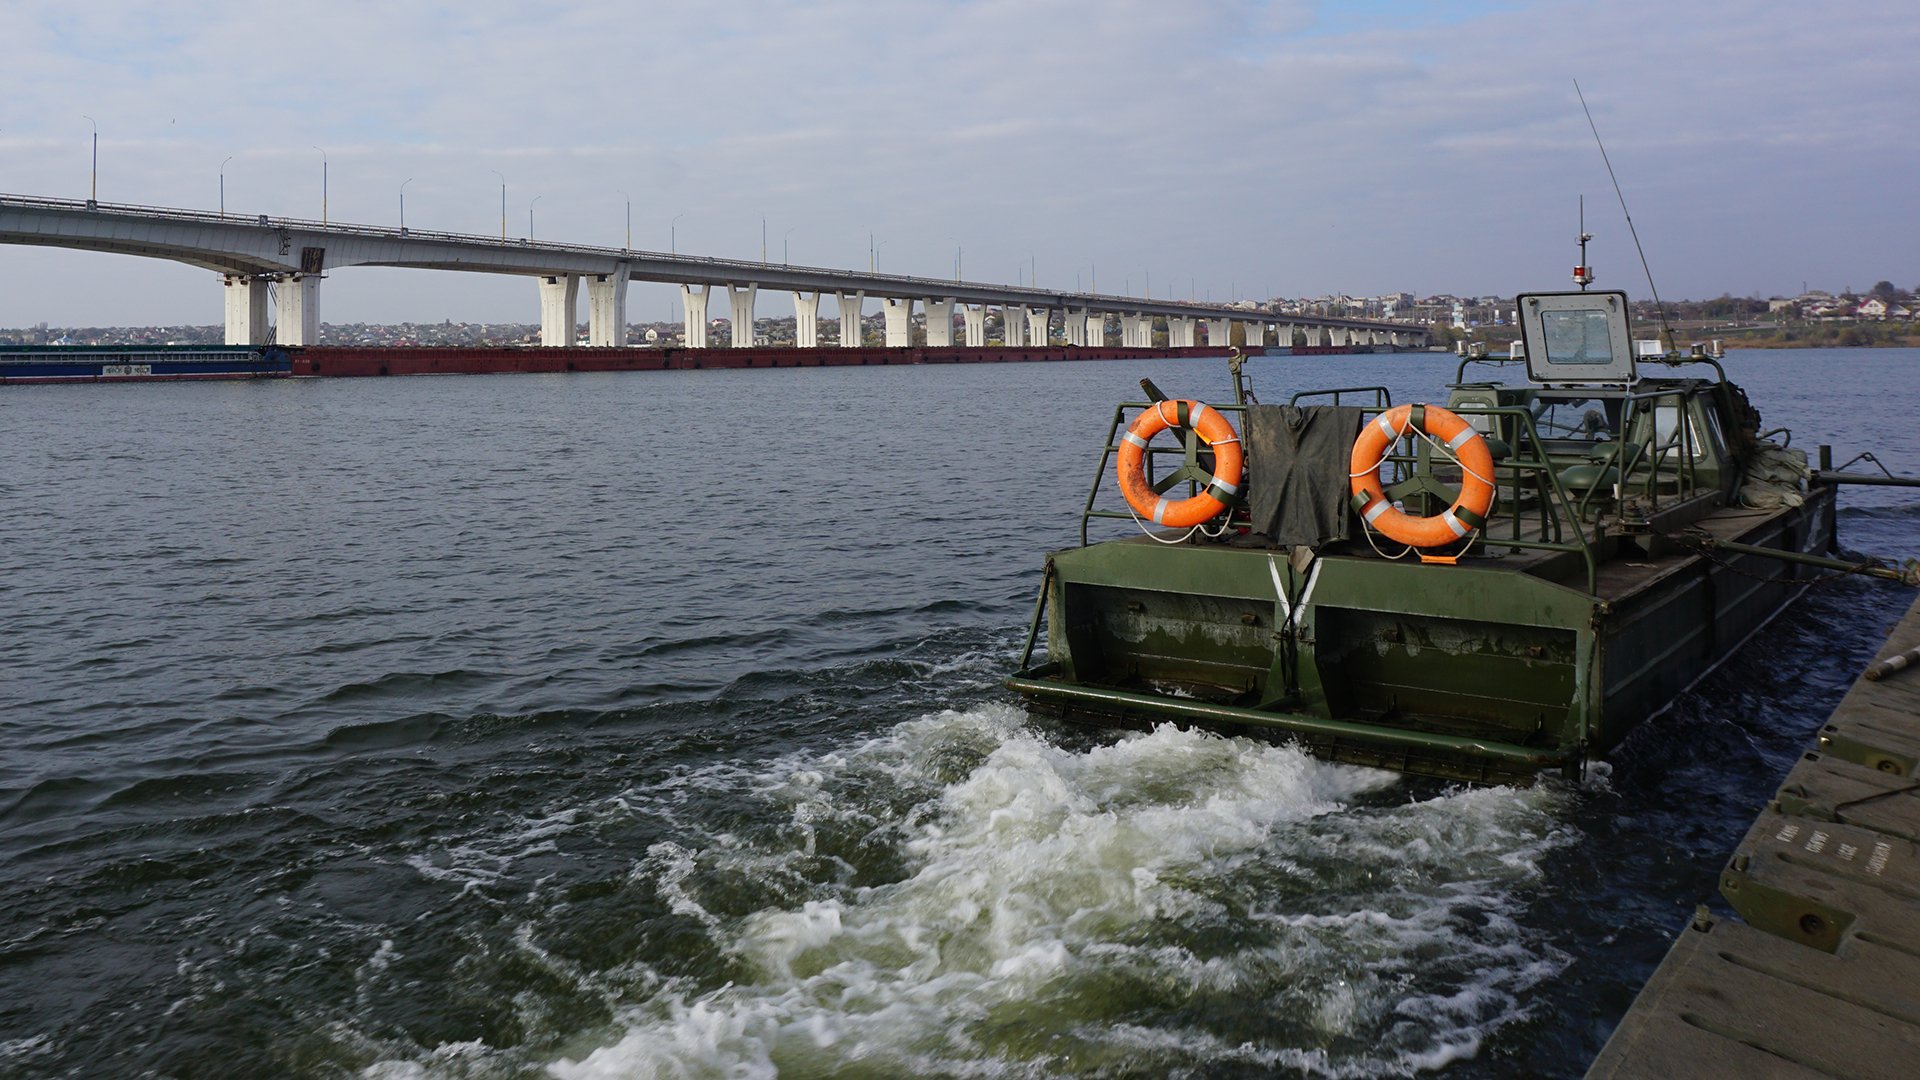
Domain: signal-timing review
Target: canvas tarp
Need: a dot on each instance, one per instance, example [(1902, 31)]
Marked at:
[(1297, 457)]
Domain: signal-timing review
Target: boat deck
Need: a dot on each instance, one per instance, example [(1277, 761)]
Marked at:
[(1822, 976)]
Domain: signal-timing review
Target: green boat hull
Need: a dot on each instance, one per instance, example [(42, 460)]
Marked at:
[(1476, 671)]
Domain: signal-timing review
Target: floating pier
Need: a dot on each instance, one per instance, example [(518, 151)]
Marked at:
[(1821, 977)]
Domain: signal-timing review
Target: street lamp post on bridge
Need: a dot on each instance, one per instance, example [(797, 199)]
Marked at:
[(323, 186), (223, 186), (403, 204), (536, 199), (503, 201), (94, 192)]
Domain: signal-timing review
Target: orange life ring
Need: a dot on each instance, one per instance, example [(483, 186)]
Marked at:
[(1214, 430), (1469, 510)]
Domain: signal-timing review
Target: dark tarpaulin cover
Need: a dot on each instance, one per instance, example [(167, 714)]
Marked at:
[(1297, 459)]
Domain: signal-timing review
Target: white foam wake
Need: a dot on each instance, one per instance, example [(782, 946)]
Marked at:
[(1174, 898)]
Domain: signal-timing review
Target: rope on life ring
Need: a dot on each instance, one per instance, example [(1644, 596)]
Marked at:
[(1214, 430), (1458, 439)]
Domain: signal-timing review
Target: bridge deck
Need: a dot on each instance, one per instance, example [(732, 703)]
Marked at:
[(1823, 976)]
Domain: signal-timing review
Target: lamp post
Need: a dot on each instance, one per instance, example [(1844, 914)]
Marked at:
[(629, 199), (673, 235), (403, 204), (536, 199), (94, 192), (763, 239), (223, 186), (323, 186), (956, 257), (503, 202), (783, 245)]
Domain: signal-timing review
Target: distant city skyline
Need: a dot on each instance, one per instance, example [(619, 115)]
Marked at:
[(1219, 149)]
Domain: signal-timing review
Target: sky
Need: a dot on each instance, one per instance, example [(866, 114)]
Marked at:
[(1218, 149)]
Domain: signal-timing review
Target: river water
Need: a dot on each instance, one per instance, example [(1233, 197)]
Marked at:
[(648, 725)]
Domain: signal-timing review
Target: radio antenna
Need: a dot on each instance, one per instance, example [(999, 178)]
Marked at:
[(1658, 307)]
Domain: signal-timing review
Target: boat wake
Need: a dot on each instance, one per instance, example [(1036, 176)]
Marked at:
[(966, 896)]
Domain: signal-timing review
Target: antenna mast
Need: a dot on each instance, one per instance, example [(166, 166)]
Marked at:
[(1583, 273)]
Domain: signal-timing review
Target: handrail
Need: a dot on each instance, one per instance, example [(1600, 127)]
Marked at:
[(1382, 397), (1087, 512), (1642, 406), (1545, 475), (1536, 465), (1460, 373)]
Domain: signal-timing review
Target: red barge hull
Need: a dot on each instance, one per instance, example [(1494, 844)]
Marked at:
[(336, 362)]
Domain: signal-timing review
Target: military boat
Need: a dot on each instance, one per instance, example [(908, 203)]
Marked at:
[(1480, 590)]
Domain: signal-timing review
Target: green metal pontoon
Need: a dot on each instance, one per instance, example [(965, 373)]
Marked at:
[(1636, 537)]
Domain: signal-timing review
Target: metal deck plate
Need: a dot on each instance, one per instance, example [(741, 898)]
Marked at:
[(1823, 978)]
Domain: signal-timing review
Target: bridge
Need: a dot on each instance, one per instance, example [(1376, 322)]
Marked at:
[(285, 259)]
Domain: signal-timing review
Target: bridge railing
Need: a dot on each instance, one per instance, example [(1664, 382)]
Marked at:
[(908, 284)]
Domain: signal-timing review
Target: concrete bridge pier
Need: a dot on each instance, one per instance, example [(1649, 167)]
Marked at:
[(299, 310), (741, 299), (939, 321), (1075, 326), (1013, 324), (1136, 331), (246, 303), (1255, 335), (1337, 336), (899, 314), (806, 320), (1283, 335), (559, 300), (694, 299), (1219, 333), (1038, 320), (849, 308), (1180, 331), (976, 320), (1096, 334), (1313, 335), (607, 309)]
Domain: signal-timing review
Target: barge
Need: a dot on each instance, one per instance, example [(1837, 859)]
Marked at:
[(141, 363)]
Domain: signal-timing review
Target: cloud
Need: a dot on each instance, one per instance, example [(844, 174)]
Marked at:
[(1239, 146)]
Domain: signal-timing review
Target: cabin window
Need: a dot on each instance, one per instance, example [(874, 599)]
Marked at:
[(1666, 431), (1578, 336)]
